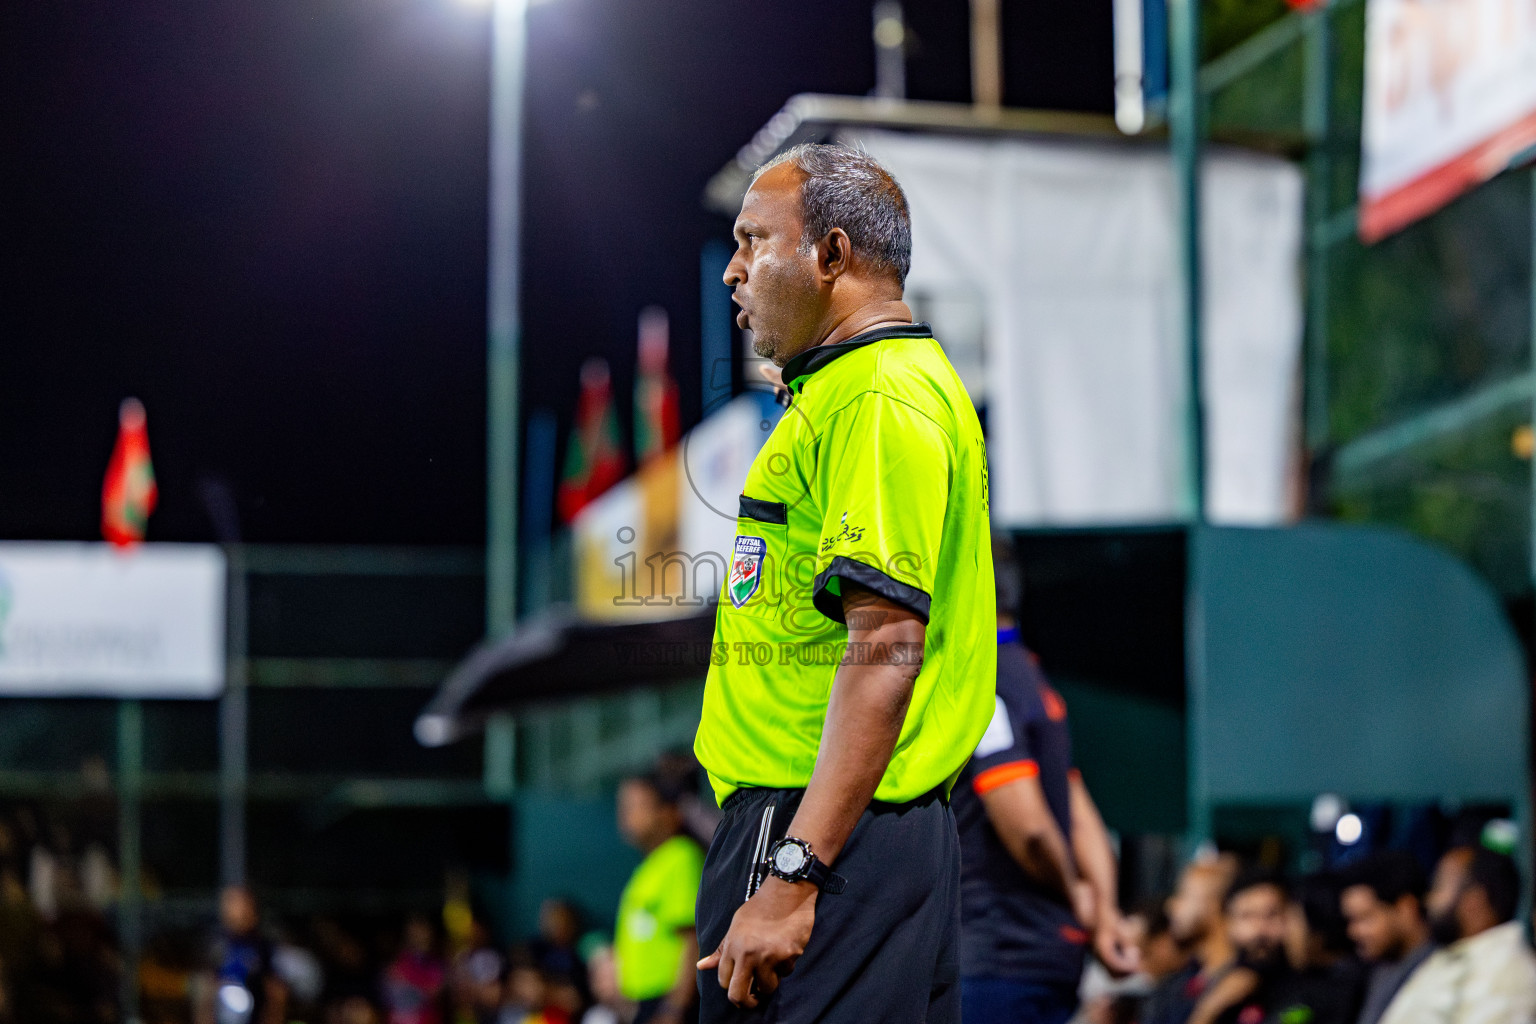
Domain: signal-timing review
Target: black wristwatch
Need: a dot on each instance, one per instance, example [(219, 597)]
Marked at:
[(793, 860)]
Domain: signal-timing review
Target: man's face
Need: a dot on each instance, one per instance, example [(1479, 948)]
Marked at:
[(237, 910), (1256, 924), (1161, 955), (774, 278), (1195, 904), (1378, 930), (1445, 894), (641, 813)]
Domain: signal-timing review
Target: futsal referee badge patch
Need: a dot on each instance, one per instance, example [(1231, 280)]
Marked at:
[(746, 569)]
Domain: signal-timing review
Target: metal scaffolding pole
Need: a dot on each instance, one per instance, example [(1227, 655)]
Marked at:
[(130, 784), (1184, 123), (234, 765), (1527, 851), (1318, 123), (1533, 370)]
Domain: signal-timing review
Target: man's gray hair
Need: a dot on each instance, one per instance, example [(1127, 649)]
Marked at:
[(848, 189)]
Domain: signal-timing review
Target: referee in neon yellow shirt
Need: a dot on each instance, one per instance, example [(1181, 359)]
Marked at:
[(654, 942), (854, 658)]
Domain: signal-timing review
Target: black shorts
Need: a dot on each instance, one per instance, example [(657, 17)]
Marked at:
[(886, 948)]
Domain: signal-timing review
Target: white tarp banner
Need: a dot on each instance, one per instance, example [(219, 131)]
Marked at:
[(90, 620), (1450, 97), (1065, 251)]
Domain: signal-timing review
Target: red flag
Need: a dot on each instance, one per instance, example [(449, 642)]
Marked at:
[(594, 458), (657, 425), (128, 494)]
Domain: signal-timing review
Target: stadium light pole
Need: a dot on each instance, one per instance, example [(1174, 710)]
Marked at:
[(509, 38), (509, 48)]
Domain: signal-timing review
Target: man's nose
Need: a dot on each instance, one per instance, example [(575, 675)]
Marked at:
[(735, 273)]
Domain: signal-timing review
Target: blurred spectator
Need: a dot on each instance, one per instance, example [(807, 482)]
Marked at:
[(1383, 900), (1195, 923), (413, 986), (245, 989), (348, 974), (354, 1010), (1254, 917), (527, 999), (301, 974), (166, 969), (1162, 955), (1123, 1001), (554, 950), (1486, 973), (656, 945), (679, 773), (476, 979), (608, 1006), (1327, 979)]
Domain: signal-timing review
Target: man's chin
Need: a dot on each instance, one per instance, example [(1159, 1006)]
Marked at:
[(765, 349), (1262, 959)]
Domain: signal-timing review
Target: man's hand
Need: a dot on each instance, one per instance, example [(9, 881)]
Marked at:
[(1113, 946), (1225, 994), (767, 935)]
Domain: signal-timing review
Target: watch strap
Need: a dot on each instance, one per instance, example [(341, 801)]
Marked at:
[(817, 873), (824, 878)]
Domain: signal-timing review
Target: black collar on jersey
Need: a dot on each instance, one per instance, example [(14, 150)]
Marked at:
[(813, 359)]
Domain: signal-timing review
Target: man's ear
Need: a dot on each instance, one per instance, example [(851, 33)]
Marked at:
[(834, 255)]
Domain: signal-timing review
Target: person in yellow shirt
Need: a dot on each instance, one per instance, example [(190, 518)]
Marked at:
[(655, 945)]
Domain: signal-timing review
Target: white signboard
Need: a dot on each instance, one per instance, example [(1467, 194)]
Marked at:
[(83, 620), (1450, 97)]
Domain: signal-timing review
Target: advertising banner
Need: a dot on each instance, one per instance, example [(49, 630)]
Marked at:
[(86, 620), (1450, 98), (654, 546)]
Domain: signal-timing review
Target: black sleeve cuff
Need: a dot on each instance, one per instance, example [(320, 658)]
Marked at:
[(870, 578)]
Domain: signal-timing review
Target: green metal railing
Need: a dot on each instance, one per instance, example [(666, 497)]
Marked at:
[(1418, 356)]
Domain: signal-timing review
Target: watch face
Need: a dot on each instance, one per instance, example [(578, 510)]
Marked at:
[(789, 858)]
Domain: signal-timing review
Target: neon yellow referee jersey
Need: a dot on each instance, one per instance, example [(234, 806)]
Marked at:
[(877, 475)]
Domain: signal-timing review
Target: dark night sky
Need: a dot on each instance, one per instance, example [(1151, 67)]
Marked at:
[(267, 220)]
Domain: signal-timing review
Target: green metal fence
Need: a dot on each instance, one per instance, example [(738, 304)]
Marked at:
[(1418, 388)]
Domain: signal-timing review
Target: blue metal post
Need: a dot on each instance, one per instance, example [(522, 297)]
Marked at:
[(714, 326)]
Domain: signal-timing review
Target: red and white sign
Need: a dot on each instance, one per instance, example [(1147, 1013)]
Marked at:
[(1450, 98)]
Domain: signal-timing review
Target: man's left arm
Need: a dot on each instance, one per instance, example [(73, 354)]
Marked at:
[(865, 714), (1096, 863)]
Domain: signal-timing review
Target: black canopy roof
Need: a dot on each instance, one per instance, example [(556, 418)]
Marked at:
[(559, 655)]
